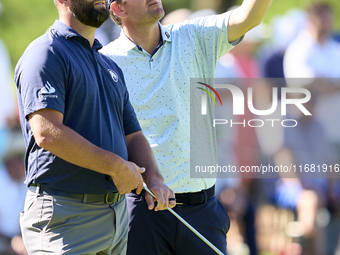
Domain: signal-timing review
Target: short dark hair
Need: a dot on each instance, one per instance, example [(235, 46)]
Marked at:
[(317, 8), (114, 17)]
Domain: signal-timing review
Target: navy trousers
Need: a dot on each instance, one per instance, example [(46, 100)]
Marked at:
[(161, 233)]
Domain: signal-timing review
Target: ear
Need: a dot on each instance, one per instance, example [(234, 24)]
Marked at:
[(65, 3), (118, 9)]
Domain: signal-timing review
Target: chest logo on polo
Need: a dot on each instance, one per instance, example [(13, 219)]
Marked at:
[(47, 91), (113, 75)]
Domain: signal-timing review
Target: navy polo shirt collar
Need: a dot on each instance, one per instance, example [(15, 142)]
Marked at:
[(68, 32)]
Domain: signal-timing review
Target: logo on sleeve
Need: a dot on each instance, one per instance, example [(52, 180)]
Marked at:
[(47, 91), (113, 75)]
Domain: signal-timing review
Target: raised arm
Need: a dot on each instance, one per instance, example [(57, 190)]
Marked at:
[(246, 17)]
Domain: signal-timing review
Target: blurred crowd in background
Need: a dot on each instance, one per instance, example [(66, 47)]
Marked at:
[(284, 215), (269, 216)]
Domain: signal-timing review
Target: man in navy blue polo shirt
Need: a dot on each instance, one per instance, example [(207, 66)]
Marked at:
[(82, 137)]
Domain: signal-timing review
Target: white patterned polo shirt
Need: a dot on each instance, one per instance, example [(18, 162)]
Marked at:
[(159, 87)]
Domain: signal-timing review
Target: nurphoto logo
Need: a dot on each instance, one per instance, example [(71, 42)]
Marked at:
[(239, 102)]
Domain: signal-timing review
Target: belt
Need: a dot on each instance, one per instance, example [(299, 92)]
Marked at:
[(108, 198), (195, 198)]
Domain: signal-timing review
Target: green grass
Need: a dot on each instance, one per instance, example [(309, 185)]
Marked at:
[(23, 21)]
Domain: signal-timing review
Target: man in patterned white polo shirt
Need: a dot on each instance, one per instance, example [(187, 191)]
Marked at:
[(158, 62)]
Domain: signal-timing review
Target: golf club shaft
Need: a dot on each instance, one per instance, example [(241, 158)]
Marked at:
[(187, 224)]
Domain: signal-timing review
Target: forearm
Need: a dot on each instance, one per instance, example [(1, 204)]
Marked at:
[(73, 148), (253, 11), (141, 154), (68, 145), (51, 134), (246, 17)]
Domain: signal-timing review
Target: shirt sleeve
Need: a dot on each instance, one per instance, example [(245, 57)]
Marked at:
[(41, 80), (211, 36), (130, 121)]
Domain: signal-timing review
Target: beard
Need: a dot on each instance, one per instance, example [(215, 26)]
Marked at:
[(86, 13)]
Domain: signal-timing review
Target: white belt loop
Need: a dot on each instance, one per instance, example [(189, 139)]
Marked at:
[(37, 190)]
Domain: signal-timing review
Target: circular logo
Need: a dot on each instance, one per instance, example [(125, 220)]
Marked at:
[(113, 75)]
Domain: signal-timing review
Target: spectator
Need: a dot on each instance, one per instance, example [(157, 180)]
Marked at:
[(7, 98), (314, 54), (240, 63), (12, 196), (305, 145), (284, 30)]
